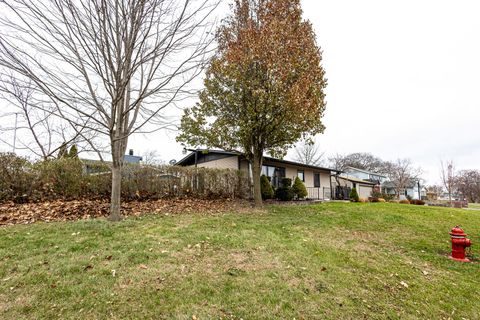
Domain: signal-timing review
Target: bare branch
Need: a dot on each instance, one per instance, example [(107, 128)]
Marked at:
[(107, 67)]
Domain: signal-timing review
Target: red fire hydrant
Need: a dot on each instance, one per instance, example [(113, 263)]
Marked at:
[(459, 243)]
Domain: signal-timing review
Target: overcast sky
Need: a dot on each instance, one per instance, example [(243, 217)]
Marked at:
[(403, 81)]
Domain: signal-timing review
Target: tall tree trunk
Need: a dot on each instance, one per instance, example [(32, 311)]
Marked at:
[(256, 170), (115, 200), (118, 150)]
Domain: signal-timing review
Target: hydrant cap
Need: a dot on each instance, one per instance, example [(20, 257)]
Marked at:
[(457, 231)]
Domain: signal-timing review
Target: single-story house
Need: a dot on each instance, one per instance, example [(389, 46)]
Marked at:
[(317, 179)]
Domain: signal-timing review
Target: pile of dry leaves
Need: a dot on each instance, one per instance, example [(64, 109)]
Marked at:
[(12, 213)]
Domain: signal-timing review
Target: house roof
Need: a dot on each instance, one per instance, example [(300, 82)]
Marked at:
[(390, 184), (294, 163), (132, 159), (366, 171), (355, 179), (126, 158), (190, 156)]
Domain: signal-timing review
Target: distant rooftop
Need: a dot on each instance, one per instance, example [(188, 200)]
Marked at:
[(365, 171), (131, 158)]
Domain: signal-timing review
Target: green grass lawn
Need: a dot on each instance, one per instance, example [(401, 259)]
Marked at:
[(474, 205), (334, 261)]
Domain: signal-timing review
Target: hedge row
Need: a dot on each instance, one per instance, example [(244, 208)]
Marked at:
[(67, 178)]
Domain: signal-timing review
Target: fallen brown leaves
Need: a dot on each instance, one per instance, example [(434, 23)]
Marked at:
[(12, 213)]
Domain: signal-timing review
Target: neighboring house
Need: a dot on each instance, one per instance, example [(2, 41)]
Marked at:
[(386, 186), (342, 185), (455, 196), (131, 158), (97, 166), (362, 180), (317, 179), (411, 190), (364, 175)]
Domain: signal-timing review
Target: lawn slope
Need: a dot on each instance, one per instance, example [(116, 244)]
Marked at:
[(335, 260)]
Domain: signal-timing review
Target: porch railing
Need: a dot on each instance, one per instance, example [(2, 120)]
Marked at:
[(318, 193)]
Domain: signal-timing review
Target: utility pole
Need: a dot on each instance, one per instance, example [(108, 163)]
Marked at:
[(15, 132), (419, 192)]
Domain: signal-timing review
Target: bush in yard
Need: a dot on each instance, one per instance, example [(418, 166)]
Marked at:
[(16, 178), (61, 178), (417, 202), (376, 194), (299, 189), (354, 195), (71, 178), (388, 197), (285, 192), (287, 182), (266, 187)]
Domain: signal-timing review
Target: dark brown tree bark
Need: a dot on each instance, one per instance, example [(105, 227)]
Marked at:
[(256, 172)]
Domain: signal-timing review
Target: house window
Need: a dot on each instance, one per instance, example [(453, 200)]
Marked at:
[(301, 175), (316, 180), (275, 173)]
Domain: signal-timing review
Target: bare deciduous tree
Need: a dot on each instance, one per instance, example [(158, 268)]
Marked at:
[(37, 128), (115, 65), (468, 184), (152, 158), (360, 160), (310, 154), (402, 174), (447, 174)]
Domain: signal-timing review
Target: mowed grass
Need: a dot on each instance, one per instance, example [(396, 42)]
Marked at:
[(474, 205), (325, 261)]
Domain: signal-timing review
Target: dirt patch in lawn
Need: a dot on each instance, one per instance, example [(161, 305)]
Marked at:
[(13, 213)]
